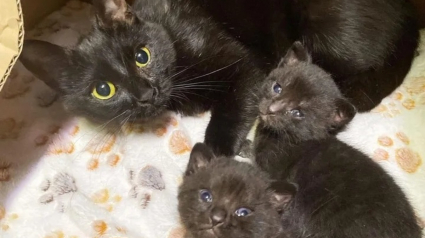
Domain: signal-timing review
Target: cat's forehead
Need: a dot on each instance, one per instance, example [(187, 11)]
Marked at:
[(237, 185)]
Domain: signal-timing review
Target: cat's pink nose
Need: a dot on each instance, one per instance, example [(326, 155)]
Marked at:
[(217, 216), (276, 106)]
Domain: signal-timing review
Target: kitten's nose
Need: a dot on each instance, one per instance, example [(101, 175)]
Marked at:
[(276, 106), (217, 216)]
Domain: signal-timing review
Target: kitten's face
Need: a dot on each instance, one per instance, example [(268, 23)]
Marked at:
[(120, 71), (301, 99), (227, 199)]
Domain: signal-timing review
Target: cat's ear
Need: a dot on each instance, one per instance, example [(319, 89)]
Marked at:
[(343, 114), (110, 12), (200, 156), (297, 53), (282, 194), (46, 61)]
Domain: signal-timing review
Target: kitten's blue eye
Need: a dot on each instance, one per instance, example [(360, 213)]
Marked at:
[(142, 57), (243, 212), (205, 195), (297, 113), (277, 88)]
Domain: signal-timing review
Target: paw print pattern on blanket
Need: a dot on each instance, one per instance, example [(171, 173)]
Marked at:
[(407, 97), (61, 184), (407, 159), (126, 185), (10, 128), (5, 171), (147, 180)]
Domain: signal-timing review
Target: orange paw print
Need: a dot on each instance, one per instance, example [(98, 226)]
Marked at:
[(407, 159), (6, 219), (179, 143), (104, 198), (112, 160), (103, 146)]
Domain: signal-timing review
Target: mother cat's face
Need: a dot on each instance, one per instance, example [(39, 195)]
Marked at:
[(120, 71)]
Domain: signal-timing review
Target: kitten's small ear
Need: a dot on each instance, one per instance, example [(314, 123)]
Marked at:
[(109, 12), (344, 113), (46, 61), (295, 54), (282, 194), (200, 156)]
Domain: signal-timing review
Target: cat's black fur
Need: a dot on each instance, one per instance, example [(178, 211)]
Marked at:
[(232, 185), (367, 45), (195, 66), (341, 192)]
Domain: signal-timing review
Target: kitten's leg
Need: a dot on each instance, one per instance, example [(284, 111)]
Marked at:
[(247, 150)]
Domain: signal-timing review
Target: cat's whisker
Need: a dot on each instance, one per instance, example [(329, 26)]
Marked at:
[(189, 67), (215, 71), (201, 88)]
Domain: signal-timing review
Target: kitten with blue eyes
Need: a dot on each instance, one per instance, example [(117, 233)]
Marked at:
[(224, 198), (341, 192)]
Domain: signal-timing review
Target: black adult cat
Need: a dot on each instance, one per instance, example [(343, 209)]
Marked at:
[(367, 45), (223, 198), (341, 192), (158, 54)]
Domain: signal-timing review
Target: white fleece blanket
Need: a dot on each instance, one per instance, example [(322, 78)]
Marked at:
[(61, 177)]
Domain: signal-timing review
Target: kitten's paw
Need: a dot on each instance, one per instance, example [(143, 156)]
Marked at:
[(247, 150)]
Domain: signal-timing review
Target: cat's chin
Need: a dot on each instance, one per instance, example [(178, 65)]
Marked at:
[(270, 120)]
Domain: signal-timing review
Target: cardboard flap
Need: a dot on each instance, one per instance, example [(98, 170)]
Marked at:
[(11, 36)]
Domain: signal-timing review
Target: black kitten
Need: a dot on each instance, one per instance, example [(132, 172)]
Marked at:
[(367, 45), (224, 198), (156, 55), (341, 192)]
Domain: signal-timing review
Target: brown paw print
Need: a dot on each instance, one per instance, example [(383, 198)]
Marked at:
[(61, 184), (14, 87), (148, 180), (407, 159), (46, 98), (10, 128), (151, 177), (5, 172)]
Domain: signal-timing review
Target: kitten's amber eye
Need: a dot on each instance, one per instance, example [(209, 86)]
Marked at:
[(243, 212), (205, 195), (142, 57), (277, 88), (103, 90)]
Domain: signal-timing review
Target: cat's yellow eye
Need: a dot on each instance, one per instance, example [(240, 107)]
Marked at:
[(142, 57), (104, 90)]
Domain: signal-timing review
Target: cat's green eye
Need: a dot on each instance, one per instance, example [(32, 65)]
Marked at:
[(104, 90), (142, 57)]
